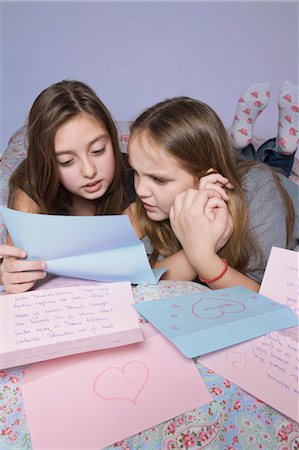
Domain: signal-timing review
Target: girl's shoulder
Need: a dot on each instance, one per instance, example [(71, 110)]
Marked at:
[(258, 173), (259, 178)]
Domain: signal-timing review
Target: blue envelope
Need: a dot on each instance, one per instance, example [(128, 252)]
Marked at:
[(203, 322), (100, 248)]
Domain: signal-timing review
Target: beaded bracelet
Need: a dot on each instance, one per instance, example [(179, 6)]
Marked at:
[(218, 276)]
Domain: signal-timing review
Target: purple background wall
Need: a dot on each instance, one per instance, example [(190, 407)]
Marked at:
[(137, 53)]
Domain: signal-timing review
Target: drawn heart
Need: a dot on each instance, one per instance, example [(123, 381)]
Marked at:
[(213, 308), (124, 383), (237, 359)]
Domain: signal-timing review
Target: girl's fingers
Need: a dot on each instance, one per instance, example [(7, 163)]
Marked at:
[(219, 189), (9, 250), (213, 205), (13, 265), (20, 275), (215, 202), (25, 277), (19, 288), (215, 178), (192, 200)]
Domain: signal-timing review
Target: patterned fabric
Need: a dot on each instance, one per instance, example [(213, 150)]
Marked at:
[(9, 161), (234, 420)]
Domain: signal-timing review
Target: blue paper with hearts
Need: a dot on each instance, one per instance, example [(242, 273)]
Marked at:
[(204, 322)]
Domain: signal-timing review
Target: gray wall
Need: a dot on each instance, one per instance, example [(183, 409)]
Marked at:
[(137, 53)]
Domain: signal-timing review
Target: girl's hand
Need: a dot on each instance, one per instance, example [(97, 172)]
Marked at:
[(17, 274), (217, 182), (201, 222)]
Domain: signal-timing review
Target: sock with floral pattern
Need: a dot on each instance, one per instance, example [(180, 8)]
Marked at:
[(253, 101), (288, 119)]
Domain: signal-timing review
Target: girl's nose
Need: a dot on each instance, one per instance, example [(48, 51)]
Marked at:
[(141, 188), (88, 169)]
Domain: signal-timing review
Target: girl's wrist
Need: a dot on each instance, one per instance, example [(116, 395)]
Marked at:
[(217, 277), (201, 257), (212, 269)]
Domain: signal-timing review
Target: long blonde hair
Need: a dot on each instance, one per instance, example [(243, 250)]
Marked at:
[(192, 133)]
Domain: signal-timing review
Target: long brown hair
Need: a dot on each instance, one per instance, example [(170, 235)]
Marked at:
[(192, 133), (53, 107)]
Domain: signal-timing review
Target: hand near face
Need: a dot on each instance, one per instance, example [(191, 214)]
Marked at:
[(201, 222), (217, 182), (17, 274)]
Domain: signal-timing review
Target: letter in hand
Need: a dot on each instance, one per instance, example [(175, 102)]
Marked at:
[(17, 274)]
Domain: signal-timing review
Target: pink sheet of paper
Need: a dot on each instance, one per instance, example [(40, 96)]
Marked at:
[(93, 400), (48, 323), (267, 367)]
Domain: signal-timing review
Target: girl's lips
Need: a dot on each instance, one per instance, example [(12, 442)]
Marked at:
[(148, 207), (92, 187)]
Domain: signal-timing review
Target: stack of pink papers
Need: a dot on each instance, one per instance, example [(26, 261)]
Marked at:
[(48, 323)]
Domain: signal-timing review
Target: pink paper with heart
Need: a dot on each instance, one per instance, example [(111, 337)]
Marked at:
[(238, 360), (110, 394), (267, 367), (122, 383)]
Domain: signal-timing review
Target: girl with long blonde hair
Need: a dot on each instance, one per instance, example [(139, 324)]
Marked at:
[(205, 213)]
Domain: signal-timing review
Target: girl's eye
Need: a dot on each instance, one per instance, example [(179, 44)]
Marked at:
[(98, 151), (65, 163), (159, 180)]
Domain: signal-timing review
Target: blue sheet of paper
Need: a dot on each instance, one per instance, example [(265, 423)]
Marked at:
[(101, 248), (203, 322)]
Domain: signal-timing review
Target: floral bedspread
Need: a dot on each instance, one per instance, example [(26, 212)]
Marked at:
[(234, 420)]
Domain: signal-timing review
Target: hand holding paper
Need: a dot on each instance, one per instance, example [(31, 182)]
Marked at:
[(17, 273), (100, 248)]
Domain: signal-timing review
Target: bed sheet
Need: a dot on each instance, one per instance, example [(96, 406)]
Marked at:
[(234, 420)]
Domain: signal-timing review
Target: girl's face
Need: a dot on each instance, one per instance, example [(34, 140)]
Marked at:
[(85, 157), (158, 178)]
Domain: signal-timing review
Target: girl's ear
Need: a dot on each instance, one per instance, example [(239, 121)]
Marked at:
[(211, 170)]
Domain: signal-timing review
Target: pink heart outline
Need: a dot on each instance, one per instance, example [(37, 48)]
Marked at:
[(122, 373), (237, 359), (238, 305)]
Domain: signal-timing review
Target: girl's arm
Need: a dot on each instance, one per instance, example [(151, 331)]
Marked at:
[(213, 270), (178, 267), (17, 274), (200, 220)]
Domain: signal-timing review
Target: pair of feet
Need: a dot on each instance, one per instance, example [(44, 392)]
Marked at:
[(253, 101)]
